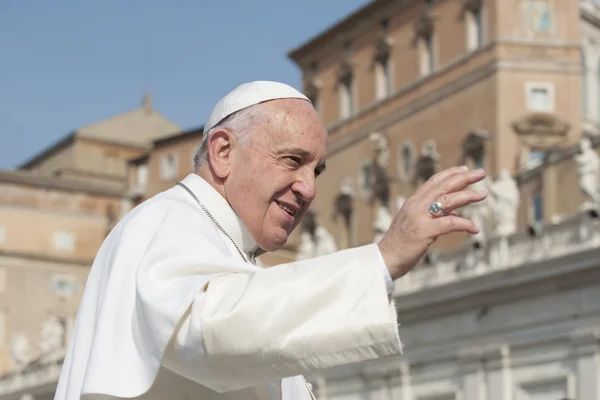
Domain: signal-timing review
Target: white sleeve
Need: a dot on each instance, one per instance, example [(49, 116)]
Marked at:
[(389, 282), (247, 328)]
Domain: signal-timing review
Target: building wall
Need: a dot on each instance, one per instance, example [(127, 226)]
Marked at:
[(60, 160), (487, 89), (81, 220), (38, 278), (469, 107), (449, 40), (106, 160), (535, 340), (31, 292), (183, 151)]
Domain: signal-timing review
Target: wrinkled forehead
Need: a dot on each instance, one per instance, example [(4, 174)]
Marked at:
[(293, 120)]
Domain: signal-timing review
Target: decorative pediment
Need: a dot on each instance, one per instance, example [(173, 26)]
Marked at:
[(426, 167), (541, 130), (474, 141), (345, 72), (472, 5), (383, 46), (424, 24), (428, 161)]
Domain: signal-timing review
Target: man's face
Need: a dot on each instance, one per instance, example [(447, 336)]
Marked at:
[(272, 178)]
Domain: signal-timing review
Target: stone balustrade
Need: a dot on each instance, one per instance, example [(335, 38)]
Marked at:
[(549, 240), (33, 379)]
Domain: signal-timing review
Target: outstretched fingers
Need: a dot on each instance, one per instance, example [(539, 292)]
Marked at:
[(438, 178), (454, 183), (452, 201), (453, 223)]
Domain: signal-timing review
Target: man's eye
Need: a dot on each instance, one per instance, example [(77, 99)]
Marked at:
[(294, 160)]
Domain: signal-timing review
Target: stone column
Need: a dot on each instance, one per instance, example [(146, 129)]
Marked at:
[(473, 376), (499, 376), (587, 351), (378, 389), (401, 386), (320, 390)]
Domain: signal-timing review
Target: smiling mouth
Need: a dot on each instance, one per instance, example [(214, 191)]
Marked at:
[(287, 209)]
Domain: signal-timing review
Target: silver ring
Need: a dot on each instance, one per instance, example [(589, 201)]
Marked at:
[(435, 209)]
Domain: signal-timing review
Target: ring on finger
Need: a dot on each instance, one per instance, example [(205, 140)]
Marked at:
[(435, 209)]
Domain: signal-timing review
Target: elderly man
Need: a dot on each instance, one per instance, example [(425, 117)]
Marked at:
[(175, 307)]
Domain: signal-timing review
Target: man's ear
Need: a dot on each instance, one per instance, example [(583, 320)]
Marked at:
[(219, 152)]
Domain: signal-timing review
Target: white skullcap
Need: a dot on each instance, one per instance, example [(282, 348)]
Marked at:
[(247, 95)]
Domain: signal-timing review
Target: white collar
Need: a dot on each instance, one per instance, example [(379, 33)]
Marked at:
[(222, 211)]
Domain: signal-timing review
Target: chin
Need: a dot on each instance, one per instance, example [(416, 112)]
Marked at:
[(274, 242)]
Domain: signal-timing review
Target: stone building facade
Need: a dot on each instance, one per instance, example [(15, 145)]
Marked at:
[(406, 88)]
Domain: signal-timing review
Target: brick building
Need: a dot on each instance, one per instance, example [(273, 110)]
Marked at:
[(405, 88)]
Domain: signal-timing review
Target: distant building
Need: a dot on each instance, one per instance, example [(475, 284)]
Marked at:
[(406, 88)]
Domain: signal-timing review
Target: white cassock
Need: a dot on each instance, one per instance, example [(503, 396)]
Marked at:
[(171, 310)]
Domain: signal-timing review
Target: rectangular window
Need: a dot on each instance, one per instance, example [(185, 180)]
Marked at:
[(346, 98), (382, 79), (142, 177), (540, 96), (64, 241), (474, 29), (538, 206), (169, 166), (64, 286), (426, 56)]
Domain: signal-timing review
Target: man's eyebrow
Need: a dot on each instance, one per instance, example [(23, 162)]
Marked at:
[(305, 154), (295, 150)]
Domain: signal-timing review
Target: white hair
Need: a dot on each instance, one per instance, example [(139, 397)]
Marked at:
[(239, 123)]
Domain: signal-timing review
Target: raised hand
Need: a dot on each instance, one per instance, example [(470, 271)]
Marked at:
[(428, 214)]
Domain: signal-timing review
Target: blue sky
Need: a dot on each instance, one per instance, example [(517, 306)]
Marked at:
[(67, 63)]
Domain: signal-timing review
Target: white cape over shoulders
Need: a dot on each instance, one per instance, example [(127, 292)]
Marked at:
[(171, 310)]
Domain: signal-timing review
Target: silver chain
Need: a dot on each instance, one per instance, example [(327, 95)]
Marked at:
[(212, 219), (312, 396)]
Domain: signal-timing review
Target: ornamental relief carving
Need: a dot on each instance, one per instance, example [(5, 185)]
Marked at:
[(424, 25), (472, 5), (541, 130)]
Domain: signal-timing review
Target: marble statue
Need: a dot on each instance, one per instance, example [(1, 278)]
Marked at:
[(400, 202), (325, 242), (588, 167), (480, 213), (382, 222), (381, 148), (306, 248), (504, 198), (427, 163), (20, 352), (322, 243), (315, 240), (52, 338), (343, 202), (381, 180)]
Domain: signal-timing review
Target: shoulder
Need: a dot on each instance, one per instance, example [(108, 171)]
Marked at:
[(169, 213)]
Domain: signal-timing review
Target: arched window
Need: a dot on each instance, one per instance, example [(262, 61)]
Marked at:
[(427, 60), (346, 85), (382, 62), (474, 29)]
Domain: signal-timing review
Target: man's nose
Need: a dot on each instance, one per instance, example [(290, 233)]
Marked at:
[(305, 185)]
